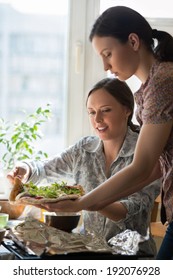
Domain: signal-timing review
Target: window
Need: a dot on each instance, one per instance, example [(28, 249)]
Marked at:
[(149, 9), (33, 51), (33, 67)]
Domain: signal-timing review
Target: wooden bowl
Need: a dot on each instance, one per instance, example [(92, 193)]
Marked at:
[(63, 221), (14, 211)]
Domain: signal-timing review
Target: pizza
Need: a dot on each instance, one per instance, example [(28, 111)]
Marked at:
[(30, 193)]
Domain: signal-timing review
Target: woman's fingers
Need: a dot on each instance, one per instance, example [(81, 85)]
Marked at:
[(16, 172), (10, 177)]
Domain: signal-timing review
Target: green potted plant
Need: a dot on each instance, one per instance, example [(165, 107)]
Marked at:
[(18, 139), (17, 143)]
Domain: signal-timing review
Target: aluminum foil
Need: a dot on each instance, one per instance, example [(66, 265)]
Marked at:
[(127, 242), (41, 238), (38, 238)]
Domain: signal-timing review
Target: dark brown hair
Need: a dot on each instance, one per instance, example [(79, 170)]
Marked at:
[(120, 21)]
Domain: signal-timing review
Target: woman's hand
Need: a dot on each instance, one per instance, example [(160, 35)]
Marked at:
[(22, 172), (62, 206)]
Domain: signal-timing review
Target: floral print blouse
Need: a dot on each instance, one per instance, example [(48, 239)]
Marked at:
[(155, 105)]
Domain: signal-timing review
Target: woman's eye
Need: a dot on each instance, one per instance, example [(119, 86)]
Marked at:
[(107, 55), (106, 110), (91, 113)]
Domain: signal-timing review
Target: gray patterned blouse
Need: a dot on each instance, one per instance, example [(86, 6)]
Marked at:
[(84, 164)]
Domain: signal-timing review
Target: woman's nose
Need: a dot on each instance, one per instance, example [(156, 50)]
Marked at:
[(106, 65), (98, 117)]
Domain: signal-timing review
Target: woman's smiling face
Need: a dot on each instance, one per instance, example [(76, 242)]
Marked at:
[(107, 116)]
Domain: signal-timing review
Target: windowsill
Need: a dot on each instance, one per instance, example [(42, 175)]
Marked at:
[(3, 196)]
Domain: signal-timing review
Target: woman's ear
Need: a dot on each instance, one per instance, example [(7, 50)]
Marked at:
[(134, 41), (128, 112)]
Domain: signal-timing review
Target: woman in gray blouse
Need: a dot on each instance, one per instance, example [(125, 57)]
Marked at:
[(93, 159)]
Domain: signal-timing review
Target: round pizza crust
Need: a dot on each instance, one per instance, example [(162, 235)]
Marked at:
[(32, 200)]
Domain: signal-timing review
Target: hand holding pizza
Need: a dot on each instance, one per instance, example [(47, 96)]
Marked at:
[(62, 206), (22, 172)]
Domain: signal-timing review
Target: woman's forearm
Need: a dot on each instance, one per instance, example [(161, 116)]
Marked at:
[(117, 187), (115, 211)]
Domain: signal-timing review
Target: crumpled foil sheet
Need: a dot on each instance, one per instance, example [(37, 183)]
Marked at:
[(40, 238), (36, 237), (127, 242)]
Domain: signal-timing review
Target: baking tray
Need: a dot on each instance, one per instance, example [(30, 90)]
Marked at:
[(23, 255), (18, 251)]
